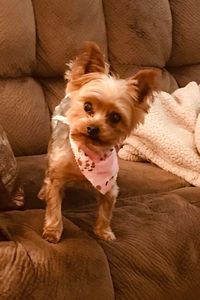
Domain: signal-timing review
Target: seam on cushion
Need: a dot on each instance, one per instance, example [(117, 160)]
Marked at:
[(30, 76), (134, 65), (45, 98), (172, 37), (172, 31), (36, 56), (35, 27), (181, 66), (36, 37), (18, 243), (37, 43), (106, 29), (99, 246), (113, 287), (150, 195), (46, 103), (106, 257)]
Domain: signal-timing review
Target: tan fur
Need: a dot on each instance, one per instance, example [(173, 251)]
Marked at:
[(89, 82)]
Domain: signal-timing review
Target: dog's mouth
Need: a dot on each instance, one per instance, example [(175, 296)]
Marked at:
[(95, 141), (95, 144)]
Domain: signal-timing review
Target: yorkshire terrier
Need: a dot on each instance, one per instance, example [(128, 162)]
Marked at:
[(98, 112)]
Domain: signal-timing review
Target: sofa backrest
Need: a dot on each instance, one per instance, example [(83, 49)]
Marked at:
[(38, 38)]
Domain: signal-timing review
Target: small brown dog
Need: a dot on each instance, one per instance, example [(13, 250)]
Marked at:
[(98, 112)]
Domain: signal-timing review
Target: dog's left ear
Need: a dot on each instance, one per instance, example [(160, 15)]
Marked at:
[(89, 60), (144, 83)]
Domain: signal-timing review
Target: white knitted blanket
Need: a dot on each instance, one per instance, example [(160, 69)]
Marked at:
[(170, 135)]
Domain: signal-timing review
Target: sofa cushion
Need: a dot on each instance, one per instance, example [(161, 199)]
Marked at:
[(62, 26), (32, 268), (161, 34), (134, 179), (150, 35), (17, 39), (37, 39), (157, 252), (185, 32), (24, 115), (143, 30)]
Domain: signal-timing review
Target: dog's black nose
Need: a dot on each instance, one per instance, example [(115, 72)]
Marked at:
[(93, 131)]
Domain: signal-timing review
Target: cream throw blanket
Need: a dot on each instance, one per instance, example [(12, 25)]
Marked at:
[(170, 135)]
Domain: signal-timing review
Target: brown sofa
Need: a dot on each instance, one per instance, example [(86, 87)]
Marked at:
[(157, 217)]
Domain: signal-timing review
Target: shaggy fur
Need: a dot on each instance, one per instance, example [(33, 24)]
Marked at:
[(116, 107)]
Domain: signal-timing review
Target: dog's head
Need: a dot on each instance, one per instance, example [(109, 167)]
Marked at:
[(105, 109)]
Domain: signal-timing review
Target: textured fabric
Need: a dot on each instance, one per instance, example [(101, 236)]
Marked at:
[(62, 27), (8, 163), (185, 74), (54, 91), (169, 136), (31, 174), (134, 179), (143, 34), (37, 39), (185, 32), (128, 223), (139, 34), (11, 202), (161, 34), (32, 268), (17, 38), (24, 115), (158, 245), (11, 193), (154, 33)]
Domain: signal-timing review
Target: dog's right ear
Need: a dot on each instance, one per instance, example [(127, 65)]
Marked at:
[(89, 60)]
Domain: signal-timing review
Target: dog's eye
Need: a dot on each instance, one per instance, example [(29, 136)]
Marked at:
[(88, 107), (114, 117)]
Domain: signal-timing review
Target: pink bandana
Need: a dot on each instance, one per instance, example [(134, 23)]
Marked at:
[(100, 171)]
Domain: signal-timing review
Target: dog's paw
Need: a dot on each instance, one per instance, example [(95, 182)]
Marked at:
[(52, 235), (105, 234)]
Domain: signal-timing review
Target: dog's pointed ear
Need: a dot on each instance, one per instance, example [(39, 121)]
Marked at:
[(144, 83), (140, 89), (89, 60)]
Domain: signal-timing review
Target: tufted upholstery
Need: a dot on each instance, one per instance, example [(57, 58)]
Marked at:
[(164, 34), (37, 38), (157, 216)]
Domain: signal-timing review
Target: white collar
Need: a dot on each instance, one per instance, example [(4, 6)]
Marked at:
[(59, 117)]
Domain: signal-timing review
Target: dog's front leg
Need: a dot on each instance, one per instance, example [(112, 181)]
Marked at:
[(53, 226), (104, 214)]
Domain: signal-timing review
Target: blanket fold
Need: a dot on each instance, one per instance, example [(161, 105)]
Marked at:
[(170, 134)]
